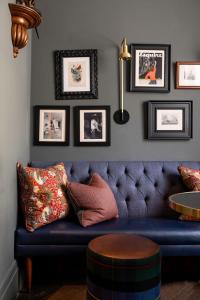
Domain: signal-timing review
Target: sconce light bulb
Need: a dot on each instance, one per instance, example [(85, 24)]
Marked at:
[(124, 54)]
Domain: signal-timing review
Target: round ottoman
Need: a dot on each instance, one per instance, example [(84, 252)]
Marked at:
[(123, 267)]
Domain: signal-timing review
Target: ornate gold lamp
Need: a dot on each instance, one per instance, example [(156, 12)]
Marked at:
[(121, 116), (24, 16)]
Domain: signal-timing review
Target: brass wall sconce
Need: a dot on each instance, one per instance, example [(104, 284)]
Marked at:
[(24, 16), (121, 116)]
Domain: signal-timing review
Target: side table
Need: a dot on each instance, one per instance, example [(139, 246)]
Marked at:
[(187, 203)]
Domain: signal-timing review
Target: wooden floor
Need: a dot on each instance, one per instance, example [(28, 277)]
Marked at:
[(54, 280), (184, 290)]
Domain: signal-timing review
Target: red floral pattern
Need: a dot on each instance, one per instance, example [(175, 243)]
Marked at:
[(42, 194), (190, 177)]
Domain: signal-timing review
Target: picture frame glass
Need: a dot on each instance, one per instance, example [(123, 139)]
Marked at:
[(169, 120), (52, 125), (149, 68), (189, 75), (76, 74), (93, 126)]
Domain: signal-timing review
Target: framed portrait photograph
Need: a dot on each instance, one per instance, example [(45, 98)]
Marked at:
[(51, 125), (188, 75), (92, 125), (76, 74), (150, 68), (169, 120)]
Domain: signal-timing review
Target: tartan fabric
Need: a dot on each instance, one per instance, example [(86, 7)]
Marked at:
[(123, 277), (120, 271), (97, 292)]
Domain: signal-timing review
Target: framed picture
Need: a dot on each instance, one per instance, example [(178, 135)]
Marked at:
[(169, 120), (76, 74), (150, 68), (51, 125), (92, 125), (188, 75)]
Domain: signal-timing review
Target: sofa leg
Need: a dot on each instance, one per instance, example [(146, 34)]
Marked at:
[(28, 267)]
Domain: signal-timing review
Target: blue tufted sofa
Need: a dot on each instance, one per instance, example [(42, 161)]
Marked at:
[(141, 190)]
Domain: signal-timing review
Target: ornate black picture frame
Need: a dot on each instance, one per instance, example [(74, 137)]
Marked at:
[(92, 125), (150, 68), (51, 125), (169, 120), (76, 74)]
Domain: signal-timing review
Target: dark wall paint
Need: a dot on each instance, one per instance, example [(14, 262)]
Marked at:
[(101, 24)]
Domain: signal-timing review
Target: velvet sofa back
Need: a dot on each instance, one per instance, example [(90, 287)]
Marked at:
[(141, 188)]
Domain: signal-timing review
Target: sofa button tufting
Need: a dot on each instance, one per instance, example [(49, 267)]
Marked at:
[(127, 199), (137, 184), (117, 185), (163, 170), (146, 198), (145, 171), (155, 184)]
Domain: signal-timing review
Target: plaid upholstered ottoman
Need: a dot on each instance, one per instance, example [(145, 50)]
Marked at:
[(123, 266)]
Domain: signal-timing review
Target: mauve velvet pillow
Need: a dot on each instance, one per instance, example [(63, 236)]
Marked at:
[(93, 203)]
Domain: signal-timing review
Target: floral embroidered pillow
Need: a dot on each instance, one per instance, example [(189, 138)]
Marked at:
[(42, 195), (190, 177)]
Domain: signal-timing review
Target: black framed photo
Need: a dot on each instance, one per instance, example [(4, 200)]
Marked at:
[(169, 120), (92, 125), (51, 125), (76, 74), (150, 68)]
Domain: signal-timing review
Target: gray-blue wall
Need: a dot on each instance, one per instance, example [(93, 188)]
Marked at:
[(102, 24), (14, 145)]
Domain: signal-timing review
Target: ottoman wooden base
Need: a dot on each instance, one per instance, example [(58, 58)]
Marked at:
[(123, 266)]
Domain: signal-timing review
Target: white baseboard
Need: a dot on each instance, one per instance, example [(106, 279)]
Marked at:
[(9, 286)]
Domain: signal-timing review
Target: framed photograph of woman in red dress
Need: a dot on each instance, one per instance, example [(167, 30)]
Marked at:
[(150, 68)]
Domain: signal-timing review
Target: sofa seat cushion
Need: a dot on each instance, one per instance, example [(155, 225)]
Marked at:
[(64, 232)]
